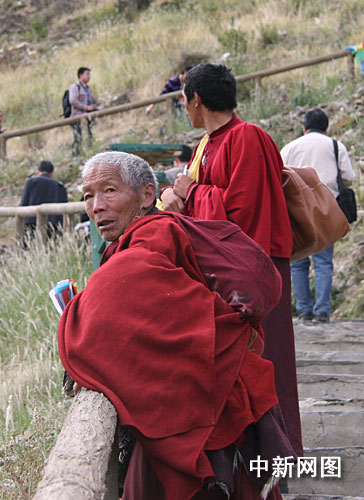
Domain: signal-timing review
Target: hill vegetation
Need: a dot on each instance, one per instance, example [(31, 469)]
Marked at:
[(132, 47)]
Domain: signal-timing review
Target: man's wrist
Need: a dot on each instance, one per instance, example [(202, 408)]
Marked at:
[(191, 189), (163, 190)]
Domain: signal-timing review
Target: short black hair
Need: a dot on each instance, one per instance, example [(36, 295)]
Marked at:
[(316, 119), (214, 83), (81, 70), (185, 154), (46, 166), (186, 68)]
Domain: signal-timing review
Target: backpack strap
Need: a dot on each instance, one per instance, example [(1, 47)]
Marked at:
[(339, 179)]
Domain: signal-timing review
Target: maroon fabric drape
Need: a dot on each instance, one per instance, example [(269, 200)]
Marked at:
[(280, 348)]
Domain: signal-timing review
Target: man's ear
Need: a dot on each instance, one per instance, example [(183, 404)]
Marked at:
[(198, 100), (148, 194)]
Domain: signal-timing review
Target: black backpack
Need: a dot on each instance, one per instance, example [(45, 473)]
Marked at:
[(66, 105)]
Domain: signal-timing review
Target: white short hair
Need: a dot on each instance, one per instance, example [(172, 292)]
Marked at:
[(134, 171)]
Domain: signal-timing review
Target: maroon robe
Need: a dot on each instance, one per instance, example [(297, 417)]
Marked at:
[(147, 325)]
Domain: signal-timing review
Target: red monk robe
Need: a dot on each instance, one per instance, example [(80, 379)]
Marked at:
[(240, 180), (170, 354)]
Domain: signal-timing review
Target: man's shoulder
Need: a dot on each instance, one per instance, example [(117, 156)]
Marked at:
[(309, 138), (294, 143), (251, 133), (75, 86), (241, 126)]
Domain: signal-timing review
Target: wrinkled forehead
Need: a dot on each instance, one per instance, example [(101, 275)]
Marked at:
[(101, 173)]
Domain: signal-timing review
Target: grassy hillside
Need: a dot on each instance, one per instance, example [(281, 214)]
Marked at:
[(131, 53)]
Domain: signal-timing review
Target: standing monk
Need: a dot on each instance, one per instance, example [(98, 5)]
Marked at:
[(235, 174)]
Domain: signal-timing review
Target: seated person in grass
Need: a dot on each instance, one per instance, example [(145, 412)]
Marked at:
[(181, 366)]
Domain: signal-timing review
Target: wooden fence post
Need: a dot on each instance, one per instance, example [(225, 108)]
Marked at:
[(41, 228), (351, 66), (258, 88), (77, 465), (19, 228), (2, 147), (68, 223)]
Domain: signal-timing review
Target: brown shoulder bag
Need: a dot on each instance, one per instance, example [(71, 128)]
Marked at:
[(317, 221)]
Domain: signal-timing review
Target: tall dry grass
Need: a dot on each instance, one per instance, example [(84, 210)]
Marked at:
[(32, 406)]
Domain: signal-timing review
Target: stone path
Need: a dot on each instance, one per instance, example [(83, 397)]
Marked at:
[(330, 369)]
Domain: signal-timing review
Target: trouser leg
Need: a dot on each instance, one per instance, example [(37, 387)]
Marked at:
[(89, 130), (323, 266), (301, 285), (77, 139)]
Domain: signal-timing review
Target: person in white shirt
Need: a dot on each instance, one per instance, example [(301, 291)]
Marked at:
[(316, 148)]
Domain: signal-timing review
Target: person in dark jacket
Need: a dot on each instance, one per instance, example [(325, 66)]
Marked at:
[(44, 189)]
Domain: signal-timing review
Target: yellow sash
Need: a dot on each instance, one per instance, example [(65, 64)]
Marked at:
[(195, 165)]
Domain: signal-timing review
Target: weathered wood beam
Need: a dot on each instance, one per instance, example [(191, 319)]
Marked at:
[(289, 67), (77, 467), (75, 207), (2, 147)]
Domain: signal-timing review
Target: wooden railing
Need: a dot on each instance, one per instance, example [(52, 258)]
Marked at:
[(41, 212), (256, 76), (83, 463)]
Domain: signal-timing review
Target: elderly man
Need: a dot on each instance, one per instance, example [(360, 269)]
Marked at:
[(180, 365)]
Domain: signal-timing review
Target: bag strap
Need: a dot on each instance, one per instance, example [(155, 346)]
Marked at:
[(339, 179)]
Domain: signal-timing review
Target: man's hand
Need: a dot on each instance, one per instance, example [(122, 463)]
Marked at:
[(149, 109), (90, 107), (172, 202), (76, 388), (181, 185)]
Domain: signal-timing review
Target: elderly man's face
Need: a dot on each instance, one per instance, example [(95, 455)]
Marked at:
[(110, 203)]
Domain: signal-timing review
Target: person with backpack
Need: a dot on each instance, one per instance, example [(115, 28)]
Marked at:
[(180, 363), (316, 149), (81, 101)]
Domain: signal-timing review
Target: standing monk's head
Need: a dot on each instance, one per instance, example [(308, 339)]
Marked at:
[(117, 187), (214, 84)]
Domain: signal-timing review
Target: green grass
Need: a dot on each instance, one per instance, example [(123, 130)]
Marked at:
[(32, 407)]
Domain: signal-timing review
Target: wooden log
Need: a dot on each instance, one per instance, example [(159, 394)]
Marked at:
[(19, 228), (75, 207), (41, 228), (289, 67), (68, 223), (2, 147), (258, 88), (351, 66), (77, 465), (93, 114)]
